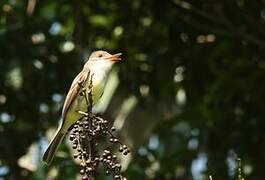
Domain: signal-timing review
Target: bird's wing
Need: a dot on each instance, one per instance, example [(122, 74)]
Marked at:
[(74, 90)]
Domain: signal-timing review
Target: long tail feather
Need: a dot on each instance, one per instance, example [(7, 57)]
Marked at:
[(53, 146)]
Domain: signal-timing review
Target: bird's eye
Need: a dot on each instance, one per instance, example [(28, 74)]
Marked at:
[(100, 55)]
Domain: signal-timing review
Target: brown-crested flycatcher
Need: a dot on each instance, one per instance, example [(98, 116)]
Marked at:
[(97, 67)]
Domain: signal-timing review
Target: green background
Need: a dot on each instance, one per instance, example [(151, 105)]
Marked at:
[(188, 96)]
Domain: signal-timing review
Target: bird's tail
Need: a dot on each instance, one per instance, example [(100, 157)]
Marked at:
[(53, 146)]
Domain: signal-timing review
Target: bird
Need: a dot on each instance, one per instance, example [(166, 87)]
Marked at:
[(97, 67)]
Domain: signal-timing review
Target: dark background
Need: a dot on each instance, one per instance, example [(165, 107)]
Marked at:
[(190, 97)]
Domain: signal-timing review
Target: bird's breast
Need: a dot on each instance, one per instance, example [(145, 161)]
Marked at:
[(98, 82)]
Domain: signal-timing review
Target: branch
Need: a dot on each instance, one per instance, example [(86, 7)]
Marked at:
[(85, 137), (204, 14), (233, 32)]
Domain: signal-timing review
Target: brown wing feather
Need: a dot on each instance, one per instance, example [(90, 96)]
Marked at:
[(74, 90)]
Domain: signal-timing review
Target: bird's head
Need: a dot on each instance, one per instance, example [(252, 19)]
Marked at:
[(104, 56), (102, 59)]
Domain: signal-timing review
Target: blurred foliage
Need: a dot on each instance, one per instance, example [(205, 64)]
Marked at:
[(195, 68)]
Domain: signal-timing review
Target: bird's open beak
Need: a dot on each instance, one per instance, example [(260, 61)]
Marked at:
[(114, 58)]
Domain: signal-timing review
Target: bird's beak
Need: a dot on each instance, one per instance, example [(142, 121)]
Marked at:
[(114, 58)]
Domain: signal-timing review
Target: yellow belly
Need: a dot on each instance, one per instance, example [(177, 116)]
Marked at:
[(80, 104)]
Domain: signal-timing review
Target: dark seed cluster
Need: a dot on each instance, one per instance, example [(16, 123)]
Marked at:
[(85, 136)]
